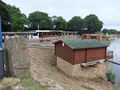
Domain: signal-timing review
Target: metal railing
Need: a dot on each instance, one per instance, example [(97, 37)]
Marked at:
[(109, 54)]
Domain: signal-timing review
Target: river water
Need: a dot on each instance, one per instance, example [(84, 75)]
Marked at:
[(115, 47)]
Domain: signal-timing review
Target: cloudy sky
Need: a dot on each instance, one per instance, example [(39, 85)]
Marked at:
[(106, 10)]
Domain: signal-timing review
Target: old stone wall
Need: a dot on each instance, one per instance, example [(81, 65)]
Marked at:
[(17, 61), (76, 71), (22, 57), (41, 59)]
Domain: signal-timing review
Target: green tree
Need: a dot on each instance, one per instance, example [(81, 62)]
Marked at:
[(105, 31), (118, 32), (17, 19), (40, 20), (76, 24), (112, 31), (60, 23), (5, 16), (93, 24), (53, 18)]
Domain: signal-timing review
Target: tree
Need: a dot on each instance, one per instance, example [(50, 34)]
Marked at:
[(53, 18), (112, 31), (17, 19), (60, 23), (93, 24), (118, 32), (105, 31), (5, 16), (40, 20), (76, 24)]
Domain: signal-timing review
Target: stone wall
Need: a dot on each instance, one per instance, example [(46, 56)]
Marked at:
[(17, 61), (24, 59), (41, 59), (77, 71)]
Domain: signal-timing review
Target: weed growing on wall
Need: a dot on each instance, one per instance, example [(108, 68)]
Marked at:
[(111, 77)]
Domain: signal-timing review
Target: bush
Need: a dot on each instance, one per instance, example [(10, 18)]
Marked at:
[(111, 77), (106, 38)]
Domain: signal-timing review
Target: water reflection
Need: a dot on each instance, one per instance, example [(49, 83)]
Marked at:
[(115, 47)]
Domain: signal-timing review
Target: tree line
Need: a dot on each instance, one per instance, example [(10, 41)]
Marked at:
[(110, 31), (14, 20)]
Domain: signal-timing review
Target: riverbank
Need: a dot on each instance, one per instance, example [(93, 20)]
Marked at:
[(116, 58)]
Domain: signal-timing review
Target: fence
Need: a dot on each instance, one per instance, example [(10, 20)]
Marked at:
[(109, 54)]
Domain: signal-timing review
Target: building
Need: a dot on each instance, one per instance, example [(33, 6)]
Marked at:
[(80, 51), (92, 36), (72, 55), (41, 34), (53, 33), (29, 35)]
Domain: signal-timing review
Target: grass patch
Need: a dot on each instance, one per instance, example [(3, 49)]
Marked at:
[(30, 84)]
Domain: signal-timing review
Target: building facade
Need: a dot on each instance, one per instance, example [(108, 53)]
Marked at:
[(92, 36)]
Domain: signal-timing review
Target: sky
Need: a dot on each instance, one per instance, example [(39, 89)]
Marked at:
[(106, 10)]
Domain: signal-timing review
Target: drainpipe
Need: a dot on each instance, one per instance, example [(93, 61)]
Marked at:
[(1, 53)]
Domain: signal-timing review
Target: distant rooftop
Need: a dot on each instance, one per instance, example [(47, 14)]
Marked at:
[(87, 43), (49, 31), (55, 31)]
